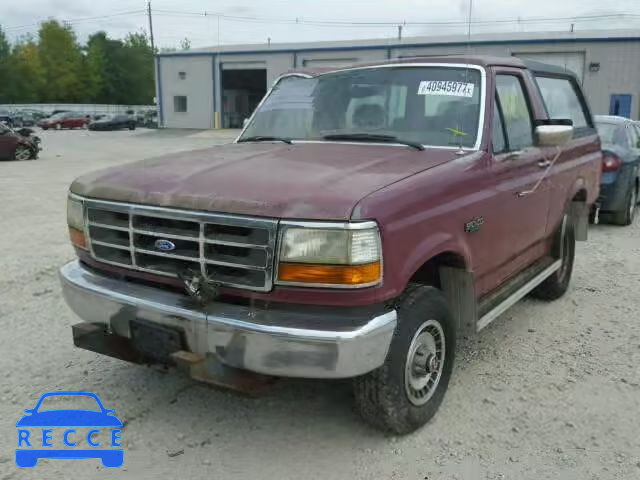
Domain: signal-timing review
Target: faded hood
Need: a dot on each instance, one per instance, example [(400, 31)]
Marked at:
[(320, 181)]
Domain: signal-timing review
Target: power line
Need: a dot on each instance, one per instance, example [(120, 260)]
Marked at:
[(299, 20), (78, 20)]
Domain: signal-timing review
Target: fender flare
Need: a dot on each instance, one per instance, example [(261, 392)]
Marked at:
[(578, 210), (432, 246)]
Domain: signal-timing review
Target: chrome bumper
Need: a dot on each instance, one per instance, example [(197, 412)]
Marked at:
[(269, 342)]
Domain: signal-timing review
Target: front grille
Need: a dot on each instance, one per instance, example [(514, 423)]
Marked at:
[(226, 249)]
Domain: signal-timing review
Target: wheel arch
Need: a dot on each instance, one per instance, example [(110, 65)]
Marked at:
[(449, 270), (578, 207)]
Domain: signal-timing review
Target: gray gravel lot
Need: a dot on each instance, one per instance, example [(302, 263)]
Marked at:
[(551, 392)]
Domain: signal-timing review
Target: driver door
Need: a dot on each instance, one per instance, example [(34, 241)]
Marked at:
[(522, 188)]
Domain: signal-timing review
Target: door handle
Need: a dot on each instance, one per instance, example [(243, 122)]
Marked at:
[(544, 163)]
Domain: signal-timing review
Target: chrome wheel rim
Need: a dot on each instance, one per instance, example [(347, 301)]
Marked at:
[(425, 362), (634, 200), (23, 154)]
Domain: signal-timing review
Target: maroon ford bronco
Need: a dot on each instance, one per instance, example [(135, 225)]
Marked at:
[(363, 220)]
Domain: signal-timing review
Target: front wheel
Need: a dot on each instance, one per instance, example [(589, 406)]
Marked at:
[(22, 153), (405, 393)]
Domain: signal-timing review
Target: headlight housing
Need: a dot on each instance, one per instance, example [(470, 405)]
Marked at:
[(344, 255), (75, 221)]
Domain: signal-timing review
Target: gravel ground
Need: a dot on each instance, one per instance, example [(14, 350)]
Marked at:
[(552, 391)]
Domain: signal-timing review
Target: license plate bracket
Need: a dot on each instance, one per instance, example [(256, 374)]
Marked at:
[(154, 341)]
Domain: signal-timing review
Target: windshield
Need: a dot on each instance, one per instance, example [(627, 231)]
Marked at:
[(436, 106), (612, 133)]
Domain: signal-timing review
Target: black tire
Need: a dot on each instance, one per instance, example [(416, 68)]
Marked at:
[(381, 396), (625, 217), (22, 153), (132, 126), (557, 284)]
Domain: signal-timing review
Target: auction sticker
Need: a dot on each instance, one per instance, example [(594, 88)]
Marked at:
[(441, 87)]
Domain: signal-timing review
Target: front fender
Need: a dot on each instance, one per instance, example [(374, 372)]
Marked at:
[(428, 248)]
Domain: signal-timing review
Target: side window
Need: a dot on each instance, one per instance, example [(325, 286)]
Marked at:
[(497, 131), (515, 111), (633, 135), (561, 100)]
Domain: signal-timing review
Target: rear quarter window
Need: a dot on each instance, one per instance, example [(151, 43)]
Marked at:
[(612, 134), (563, 100)]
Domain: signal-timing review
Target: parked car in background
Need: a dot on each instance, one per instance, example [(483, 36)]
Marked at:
[(113, 122), (6, 117), (150, 119), (18, 145), (364, 219), (139, 117), (620, 182), (36, 114), (65, 120), (28, 120)]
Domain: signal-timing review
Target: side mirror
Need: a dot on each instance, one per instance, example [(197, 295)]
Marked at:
[(245, 122), (553, 135)]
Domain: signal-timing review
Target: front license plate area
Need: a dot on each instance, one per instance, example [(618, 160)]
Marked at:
[(156, 342)]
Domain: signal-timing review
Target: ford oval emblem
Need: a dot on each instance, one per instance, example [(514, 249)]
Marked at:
[(164, 245)]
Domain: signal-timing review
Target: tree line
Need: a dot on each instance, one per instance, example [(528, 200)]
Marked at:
[(53, 67)]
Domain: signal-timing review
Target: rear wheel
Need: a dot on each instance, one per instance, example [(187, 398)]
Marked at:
[(557, 284), (625, 217), (405, 393)]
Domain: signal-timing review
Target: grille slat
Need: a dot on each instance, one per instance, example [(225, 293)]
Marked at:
[(111, 227), (225, 249), (166, 255), (170, 236), (111, 245)]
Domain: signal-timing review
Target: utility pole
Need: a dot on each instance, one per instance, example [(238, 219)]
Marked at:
[(400, 32), (153, 47)]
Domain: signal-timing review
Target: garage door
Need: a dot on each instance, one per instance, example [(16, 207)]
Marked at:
[(572, 61)]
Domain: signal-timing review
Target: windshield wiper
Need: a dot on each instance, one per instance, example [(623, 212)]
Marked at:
[(264, 138), (373, 137)]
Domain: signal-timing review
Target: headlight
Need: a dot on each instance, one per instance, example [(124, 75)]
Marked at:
[(340, 255), (75, 220), (75, 215)]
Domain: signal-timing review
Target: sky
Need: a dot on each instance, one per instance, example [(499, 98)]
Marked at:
[(258, 21)]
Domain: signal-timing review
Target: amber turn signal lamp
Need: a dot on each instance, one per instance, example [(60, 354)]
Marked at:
[(77, 238), (349, 275)]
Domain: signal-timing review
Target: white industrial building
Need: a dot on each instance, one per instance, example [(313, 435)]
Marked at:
[(220, 86)]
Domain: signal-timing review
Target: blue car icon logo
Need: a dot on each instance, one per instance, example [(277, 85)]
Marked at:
[(37, 439)]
